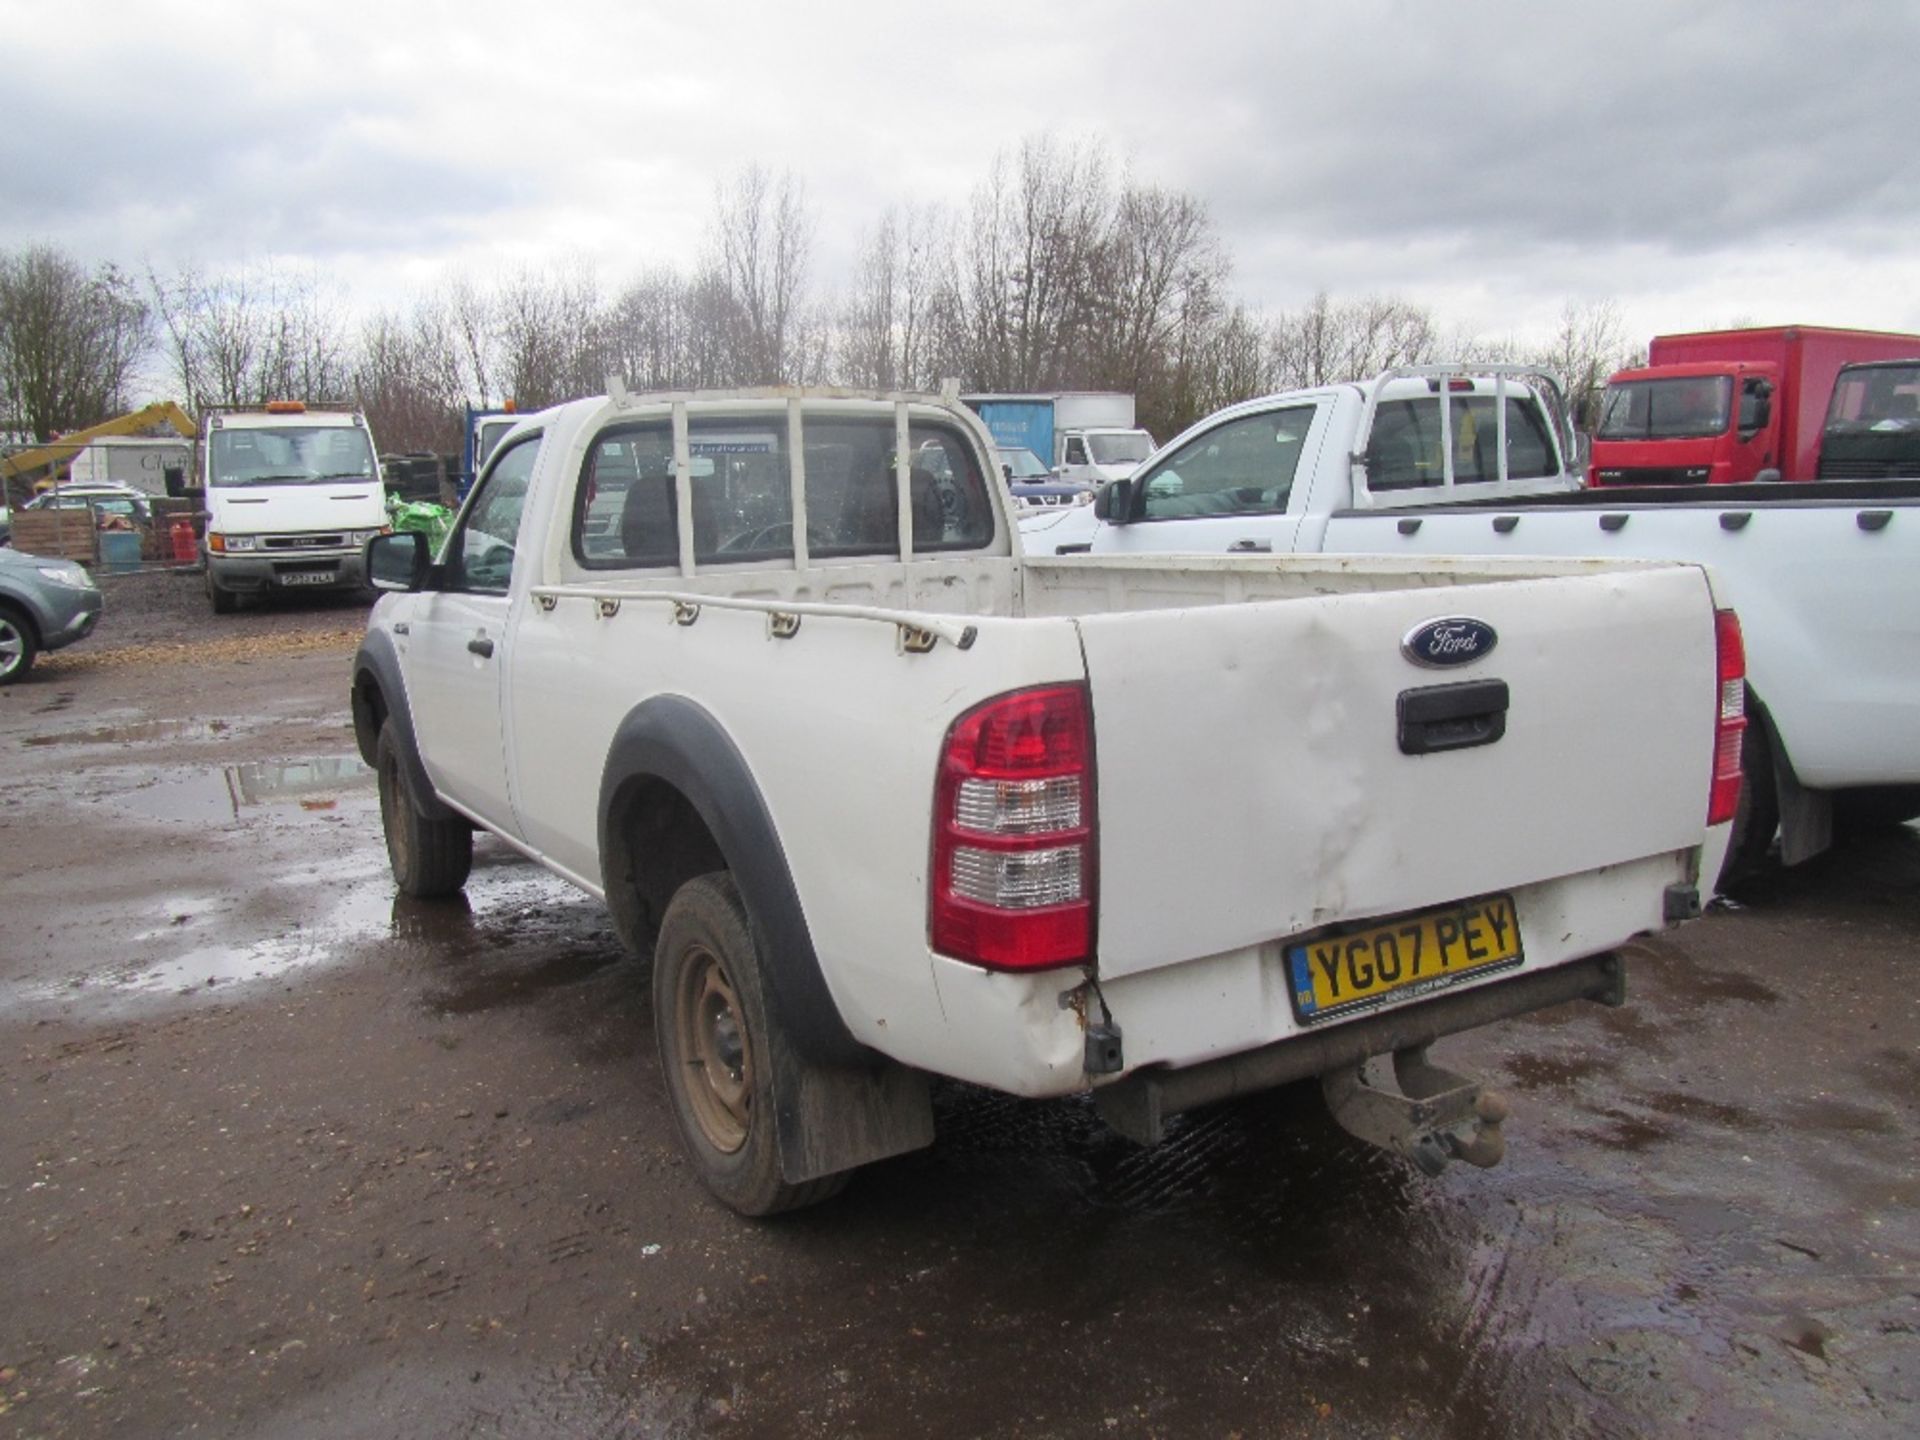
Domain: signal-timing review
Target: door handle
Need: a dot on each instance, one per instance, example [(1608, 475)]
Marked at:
[(481, 646), (1435, 718), (1251, 547)]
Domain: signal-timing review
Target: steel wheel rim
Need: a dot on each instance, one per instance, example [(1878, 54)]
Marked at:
[(712, 1040), (13, 645)]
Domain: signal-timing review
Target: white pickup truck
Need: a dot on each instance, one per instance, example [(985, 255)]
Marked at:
[(884, 799), (1825, 578)]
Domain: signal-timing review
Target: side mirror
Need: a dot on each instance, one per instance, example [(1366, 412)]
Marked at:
[(398, 562), (1113, 502), (1007, 470)]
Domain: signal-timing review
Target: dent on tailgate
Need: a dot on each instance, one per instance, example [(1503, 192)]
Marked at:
[(1284, 804)]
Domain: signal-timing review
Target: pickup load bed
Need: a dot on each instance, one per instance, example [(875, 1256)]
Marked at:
[(883, 799), (1825, 578)]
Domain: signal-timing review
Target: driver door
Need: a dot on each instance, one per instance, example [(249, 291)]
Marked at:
[(457, 652)]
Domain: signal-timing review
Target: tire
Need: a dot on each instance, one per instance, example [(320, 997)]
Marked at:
[(710, 1020), (1758, 818), (18, 645), (430, 858), (224, 601)]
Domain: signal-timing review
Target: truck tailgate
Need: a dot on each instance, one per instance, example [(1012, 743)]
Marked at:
[(1252, 783)]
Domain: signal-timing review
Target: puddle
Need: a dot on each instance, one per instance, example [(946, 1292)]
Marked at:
[(314, 784), (508, 911), (135, 732), (365, 911)]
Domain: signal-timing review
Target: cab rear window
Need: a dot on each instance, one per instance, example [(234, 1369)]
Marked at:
[(626, 513), (1405, 452)]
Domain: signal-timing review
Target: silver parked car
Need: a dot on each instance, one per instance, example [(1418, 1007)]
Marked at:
[(44, 604)]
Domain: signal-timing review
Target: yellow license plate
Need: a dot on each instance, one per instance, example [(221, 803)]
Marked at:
[(1396, 960)]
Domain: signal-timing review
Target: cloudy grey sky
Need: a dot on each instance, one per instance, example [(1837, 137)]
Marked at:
[(1697, 163)]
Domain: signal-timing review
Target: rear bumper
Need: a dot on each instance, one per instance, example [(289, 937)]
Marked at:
[(1026, 1034), (1139, 1105)]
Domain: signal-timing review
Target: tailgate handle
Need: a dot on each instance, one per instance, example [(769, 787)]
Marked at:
[(1452, 717)]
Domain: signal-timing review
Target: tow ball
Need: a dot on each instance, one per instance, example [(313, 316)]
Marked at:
[(1435, 1117)]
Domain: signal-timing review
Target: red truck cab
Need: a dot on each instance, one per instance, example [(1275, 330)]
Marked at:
[(1723, 407), (1706, 423)]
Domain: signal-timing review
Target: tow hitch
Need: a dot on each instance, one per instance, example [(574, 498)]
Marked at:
[(1437, 1115)]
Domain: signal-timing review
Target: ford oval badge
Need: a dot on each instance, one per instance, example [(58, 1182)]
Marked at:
[(1456, 640)]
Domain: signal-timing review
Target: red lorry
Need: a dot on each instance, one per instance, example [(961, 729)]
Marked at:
[(1721, 407)]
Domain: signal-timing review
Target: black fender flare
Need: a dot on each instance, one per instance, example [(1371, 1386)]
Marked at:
[(378, 663), (674, 740)]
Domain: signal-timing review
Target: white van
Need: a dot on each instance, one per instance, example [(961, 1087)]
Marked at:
[(292, 496)]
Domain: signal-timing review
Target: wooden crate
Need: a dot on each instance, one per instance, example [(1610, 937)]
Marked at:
[(56, 534)]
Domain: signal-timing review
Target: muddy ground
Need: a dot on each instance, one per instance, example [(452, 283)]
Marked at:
[(283, 1156)]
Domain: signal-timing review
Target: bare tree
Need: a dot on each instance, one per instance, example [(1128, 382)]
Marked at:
[(1159, 297), (888, 335), (1330, 341), (251, 335), (409, 379), (1588, 347), (70, 340), (552, 331), (1022, 303), (763, 243)]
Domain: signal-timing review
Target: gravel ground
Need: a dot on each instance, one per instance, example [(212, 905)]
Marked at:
[(157, 616)]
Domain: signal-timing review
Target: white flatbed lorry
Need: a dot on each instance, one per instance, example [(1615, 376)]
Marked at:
[(885, 799)]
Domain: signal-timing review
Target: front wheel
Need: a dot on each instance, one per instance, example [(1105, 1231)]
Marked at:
[(715, 1039), (430, 858), (17, 647), (223, 600)]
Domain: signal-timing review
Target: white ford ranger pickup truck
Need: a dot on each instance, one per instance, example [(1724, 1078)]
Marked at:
[(884, 799)]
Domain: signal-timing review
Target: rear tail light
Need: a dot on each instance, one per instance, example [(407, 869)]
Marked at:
[(1013, 828), (1730, 719)]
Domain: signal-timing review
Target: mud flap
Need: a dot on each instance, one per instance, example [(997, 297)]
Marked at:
[(829, 1118), (1435, 1117)]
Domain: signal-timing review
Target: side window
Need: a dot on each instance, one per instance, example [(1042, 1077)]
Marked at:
[(1529, 449), (479, 554), (1077, 451), (1245, 466), (625, 514), (1756, 406), (852, 504), (949, 496), (742, 489)]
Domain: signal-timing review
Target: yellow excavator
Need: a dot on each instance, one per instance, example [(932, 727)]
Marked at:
[(161, 414)]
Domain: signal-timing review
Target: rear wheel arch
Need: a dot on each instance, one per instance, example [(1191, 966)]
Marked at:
[(677, 800)]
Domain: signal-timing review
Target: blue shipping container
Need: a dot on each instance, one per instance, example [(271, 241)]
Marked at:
[(1026, 423)]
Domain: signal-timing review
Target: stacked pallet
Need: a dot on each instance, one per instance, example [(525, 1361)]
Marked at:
[(57, 534)]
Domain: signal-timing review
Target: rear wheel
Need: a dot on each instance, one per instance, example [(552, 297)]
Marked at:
[(430, 858), (1758, 817), (715, 1041), (17, 645)]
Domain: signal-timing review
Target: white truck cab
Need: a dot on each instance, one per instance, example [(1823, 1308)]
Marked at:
[(292, 496)]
